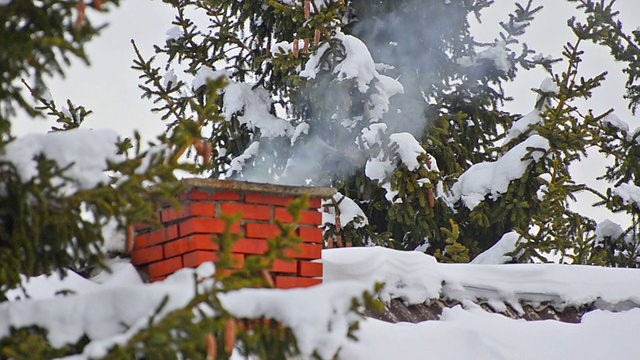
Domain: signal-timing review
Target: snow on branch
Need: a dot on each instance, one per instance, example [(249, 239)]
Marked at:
[(629, 193), (253, 106), (498, 54), (358, 65), (350, 212), (405, 150), (238, 163), (85, 151), (493, 178), (497, 254)]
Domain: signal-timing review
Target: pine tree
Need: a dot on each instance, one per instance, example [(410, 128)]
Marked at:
[(392, 103), (306, 103), (53, 216)]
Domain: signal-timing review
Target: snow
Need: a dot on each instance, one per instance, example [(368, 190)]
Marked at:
[(319, 316), (349, 212), (204, 74), (523, 125), (320, 4), (379, 170), (302, 128), (86, 150), (498, 54), (408, 149), (114, 237), (102, 307), (46, 95), (629, 193), (613, 120), (373, 135), (255, 104), (103, 310), (170, 79), (238, 163), (174, 33), (493, 178), (608, 228), (416, 277), (548, 85), (496, 253), (359, 66), (311, 66), (285, 46), (386, 88), (477, 334)]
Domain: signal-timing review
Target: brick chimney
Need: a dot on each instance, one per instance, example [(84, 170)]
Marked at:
[(185, 239)]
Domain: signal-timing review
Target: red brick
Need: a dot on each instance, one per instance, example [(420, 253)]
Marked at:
[(188, 210), (315, 202), (169, 214), (141, 226), (157, 237), (202, 225), (258, 198), (250, 246), (194, 194), (305, 251), (163, 235), (165, 267), (262, 231), (251, 212), (307, 217), (226, 196), (289, 282), (171, 232), (282, 266), (141, 241), (195, 258), (310, 234), (188, 244), (309, 268), (147, 255)]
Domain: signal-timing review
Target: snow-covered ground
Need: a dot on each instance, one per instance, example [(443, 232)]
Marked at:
[(101, 308), (473, 333)]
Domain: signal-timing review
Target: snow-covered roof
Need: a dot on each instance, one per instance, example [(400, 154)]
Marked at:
[(416, 277), (100, 308), (415, 281)]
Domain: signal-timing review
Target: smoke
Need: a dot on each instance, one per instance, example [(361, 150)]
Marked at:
[(411, 38), (391, 60)]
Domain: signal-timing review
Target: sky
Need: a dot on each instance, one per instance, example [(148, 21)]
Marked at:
[(110, 87)]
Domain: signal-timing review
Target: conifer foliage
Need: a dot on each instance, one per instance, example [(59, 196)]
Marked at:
[(54, 205), (392, 102), (398, 106)]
